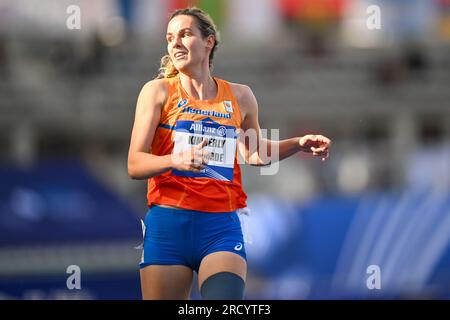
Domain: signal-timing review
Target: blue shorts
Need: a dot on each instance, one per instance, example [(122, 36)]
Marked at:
[(185, 237)]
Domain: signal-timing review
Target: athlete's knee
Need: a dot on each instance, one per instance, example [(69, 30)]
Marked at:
[(223, 286)]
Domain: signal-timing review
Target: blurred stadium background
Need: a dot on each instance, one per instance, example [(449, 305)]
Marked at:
[(67, 101)]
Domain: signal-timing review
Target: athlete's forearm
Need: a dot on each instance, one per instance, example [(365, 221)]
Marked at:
[(271, 151), (144, 165), (282, 149)]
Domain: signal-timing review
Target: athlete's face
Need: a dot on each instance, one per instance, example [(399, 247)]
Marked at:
[(185, 44)]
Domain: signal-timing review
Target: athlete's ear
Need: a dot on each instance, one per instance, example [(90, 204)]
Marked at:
[(210, 41)]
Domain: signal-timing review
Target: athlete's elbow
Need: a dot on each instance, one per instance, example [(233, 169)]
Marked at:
[(133, 172), (261, 164), (257, 161), (255, 164), (135, 175), (133, 167)]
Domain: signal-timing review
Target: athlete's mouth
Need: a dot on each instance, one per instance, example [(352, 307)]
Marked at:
[(180, 55)]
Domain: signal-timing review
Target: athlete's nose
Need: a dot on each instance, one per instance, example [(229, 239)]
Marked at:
[(176, 43)]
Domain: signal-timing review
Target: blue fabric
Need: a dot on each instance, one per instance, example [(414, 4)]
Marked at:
[(185, 237)]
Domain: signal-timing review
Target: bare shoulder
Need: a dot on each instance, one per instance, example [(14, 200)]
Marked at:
[(241, 91), (156, 84), (245, 97), (155, 90)]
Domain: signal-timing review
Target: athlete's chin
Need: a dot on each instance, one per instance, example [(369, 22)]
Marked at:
[(183, 67), (180, 64)]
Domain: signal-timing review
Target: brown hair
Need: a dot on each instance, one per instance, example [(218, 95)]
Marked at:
[(207, 28)]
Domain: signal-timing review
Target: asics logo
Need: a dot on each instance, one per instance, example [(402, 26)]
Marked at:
[(182, 103), (238, 247)]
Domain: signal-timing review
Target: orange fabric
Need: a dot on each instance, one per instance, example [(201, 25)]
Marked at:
[(202, 194)]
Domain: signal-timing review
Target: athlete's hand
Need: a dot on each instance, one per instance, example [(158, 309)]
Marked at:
[(316, 144), (193, 159)]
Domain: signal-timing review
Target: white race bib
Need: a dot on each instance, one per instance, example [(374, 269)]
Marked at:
[(221, 147)]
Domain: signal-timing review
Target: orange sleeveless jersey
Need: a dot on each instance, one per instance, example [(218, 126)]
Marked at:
[(207, 194)]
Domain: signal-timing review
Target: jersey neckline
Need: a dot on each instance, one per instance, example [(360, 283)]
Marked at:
[(215, 99)]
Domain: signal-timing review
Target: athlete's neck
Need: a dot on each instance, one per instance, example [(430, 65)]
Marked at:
[(200, 87)]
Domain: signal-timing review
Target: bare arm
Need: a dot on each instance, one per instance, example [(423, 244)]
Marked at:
[(142, 164), (258, 151)]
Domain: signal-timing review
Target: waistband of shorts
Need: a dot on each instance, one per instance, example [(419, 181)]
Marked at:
[(184, 211)]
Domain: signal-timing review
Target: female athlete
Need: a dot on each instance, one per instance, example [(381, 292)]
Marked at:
[(187, 140)]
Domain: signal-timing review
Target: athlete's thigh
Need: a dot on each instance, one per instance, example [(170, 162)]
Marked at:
[(166, 282), (221, 261)]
